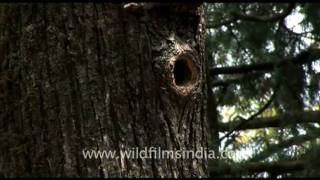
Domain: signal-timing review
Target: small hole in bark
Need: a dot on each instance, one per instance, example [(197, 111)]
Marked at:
[(184, 71)]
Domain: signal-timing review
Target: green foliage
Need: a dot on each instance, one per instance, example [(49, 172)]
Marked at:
[(233, 41)]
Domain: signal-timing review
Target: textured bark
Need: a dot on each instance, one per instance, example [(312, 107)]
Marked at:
[(83, 76)]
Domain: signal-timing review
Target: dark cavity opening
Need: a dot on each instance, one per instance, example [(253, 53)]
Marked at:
[(182, 72)]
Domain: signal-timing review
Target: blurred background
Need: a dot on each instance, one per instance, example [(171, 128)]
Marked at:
[(265, 77)]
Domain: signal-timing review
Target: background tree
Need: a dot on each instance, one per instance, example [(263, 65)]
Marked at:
[(108, 76), (265, 76)]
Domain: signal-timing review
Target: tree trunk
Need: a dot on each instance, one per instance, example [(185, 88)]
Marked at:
[(77, 77)]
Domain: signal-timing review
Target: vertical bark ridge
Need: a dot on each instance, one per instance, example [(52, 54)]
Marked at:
[(56, 136)]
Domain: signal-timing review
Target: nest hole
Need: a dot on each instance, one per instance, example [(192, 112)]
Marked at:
[(184, 71)]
